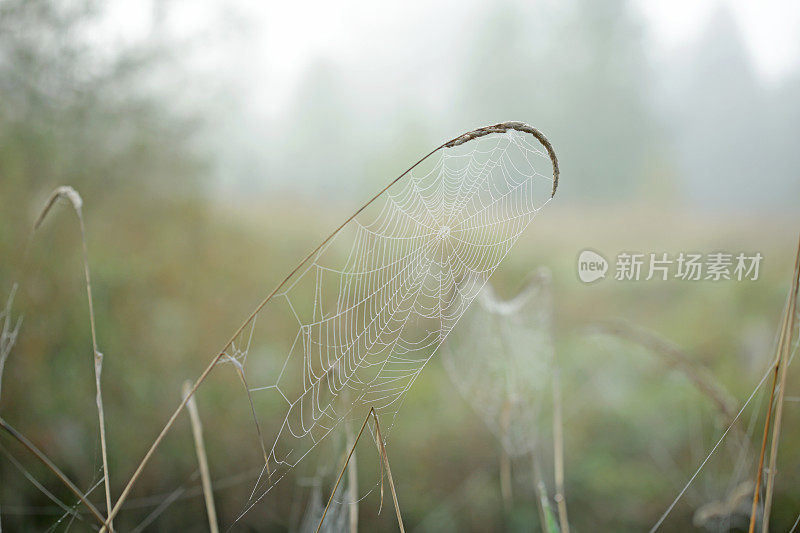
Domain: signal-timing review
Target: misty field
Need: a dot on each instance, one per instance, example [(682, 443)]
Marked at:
[(635, 430), (181, 192)]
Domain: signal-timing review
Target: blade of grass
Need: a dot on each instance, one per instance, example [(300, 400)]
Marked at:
[(202, 458), (76, 201), (22, 439), (35, 482), (784, 363), (558, 453)]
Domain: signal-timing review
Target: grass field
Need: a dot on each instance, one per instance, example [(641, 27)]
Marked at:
[(168, 295)]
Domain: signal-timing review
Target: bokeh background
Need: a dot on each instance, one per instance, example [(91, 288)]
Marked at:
[(215, 143)]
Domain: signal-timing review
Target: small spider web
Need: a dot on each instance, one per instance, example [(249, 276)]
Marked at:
[(501, 361)]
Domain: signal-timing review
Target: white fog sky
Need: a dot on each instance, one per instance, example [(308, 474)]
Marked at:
[(286, 36), (771, 28)]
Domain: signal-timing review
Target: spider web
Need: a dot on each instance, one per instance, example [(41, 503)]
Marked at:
[(338, 518), (501, 358), (370, 308)]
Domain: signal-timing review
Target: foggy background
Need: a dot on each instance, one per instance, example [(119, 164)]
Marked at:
[(691, 102), (215, 143)]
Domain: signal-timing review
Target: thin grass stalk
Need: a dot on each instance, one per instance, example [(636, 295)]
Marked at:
[(461, 139), (35, 482), (760, 470), (505, 479), (542, 501), (776, 429), (202, 459), (76, 201), (506, 490), (385, 458), (794, 526), (22, 439), (171, 422), (558, 453), (547, 517), (344, 467), (505, 460), (352, 480), (782, 340), (158, 511), (8, 334)]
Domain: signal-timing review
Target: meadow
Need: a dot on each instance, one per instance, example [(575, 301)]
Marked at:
[(165, 294)]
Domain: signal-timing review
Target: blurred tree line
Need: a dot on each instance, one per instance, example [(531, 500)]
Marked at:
[(731, 134), (703, 128)]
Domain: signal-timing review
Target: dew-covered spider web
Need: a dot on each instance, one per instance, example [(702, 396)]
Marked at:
[(354, 327), (501, 360)]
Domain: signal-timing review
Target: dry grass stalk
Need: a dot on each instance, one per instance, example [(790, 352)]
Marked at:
[(202, 458), (505, 459), (52, 467), (352, 480), (558, 453), (461, 139), (673, 356), (784, 344), (76, 201), (796, 523), (759, 472), (383, 458), (346, 461), (784, 363), (542, 500)]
